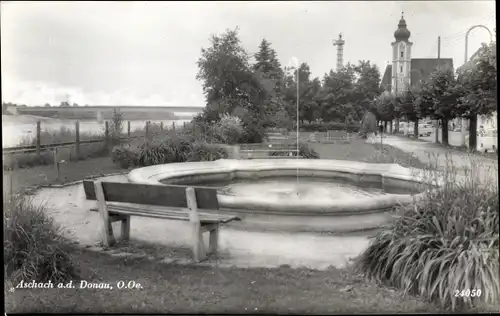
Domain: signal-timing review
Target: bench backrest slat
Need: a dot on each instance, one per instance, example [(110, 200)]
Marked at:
[(160, 195)]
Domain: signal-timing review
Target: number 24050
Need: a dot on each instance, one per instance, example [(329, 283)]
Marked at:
[(468, 293)]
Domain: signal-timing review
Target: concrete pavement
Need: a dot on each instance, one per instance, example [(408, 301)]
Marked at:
[(436, 154)]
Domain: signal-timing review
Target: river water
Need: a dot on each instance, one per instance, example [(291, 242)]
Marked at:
[(13, 133)]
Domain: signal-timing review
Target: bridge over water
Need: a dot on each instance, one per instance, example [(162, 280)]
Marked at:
[(101, 112)]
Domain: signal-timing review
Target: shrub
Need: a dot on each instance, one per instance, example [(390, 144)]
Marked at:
[(34, 246), (201, 151), (231, 129), (446, 241), (252, 134), (172, 149), (125, 156)]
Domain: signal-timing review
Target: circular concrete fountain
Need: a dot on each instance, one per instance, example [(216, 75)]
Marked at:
[(328, 195)]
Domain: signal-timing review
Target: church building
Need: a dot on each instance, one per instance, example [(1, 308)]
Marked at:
[(405, 71)]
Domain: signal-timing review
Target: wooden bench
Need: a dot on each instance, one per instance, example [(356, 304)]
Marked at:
[(198, 205), (264, 150)]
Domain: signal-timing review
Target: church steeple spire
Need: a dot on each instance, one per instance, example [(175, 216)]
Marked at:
[(402, 33)]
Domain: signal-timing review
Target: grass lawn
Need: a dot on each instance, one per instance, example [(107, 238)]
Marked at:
[(171, 288), (71, 171), (174, 288)]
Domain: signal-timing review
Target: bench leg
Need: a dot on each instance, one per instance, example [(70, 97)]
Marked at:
[(126, 228), (199, 251), (108, 236), (214, 240)]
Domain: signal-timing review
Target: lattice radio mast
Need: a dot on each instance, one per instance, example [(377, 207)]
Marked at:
[(340, 51)]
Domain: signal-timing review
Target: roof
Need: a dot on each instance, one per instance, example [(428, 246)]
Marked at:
[(421, 68), (469, 64), (386, 82)]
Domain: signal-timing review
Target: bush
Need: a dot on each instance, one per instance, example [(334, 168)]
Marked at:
[(252, 134), (201, 151), (447, 241), (173, 149), (230, 128), (125, 156), (34, 246), (332, 126)]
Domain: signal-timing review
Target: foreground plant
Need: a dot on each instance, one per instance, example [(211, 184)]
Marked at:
[(445, 242), (35, 248)]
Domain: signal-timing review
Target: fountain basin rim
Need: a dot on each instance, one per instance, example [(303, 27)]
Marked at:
[(155, 174)]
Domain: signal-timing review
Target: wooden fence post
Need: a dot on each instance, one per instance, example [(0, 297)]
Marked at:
[(128, 129), (38, 140), (173, 126), (106, 135), (147, 130), (77, 139), (56, 163), (161, 127)]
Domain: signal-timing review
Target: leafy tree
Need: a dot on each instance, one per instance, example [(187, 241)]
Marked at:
[(438, 98), (310, 109), (229, 83), (64, 104), (385, 106), (47, 105), (336, 97), (477, 88)]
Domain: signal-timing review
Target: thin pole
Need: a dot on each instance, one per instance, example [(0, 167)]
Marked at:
[(463, 130), (436, 122), (297, 126)]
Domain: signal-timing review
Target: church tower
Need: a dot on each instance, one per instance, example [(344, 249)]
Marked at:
[(401, 58)]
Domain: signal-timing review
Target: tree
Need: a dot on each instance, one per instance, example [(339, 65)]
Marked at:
[(268, 68), (477, 88), (366, 86), (64, 104), (229, 84), (385, 106), (47, 105), (310, 109), (336, 97), (438, 98)]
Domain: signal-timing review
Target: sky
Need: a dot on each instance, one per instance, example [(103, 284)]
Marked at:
[(145, 53)]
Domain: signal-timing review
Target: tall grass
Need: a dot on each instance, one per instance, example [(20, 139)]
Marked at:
[(446, 241), (34, 245)]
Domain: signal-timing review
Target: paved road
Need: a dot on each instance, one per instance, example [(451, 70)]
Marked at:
[(454, 138), (430, 152)]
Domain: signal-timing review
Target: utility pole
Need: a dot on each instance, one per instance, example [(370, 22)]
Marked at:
[(436, 122)]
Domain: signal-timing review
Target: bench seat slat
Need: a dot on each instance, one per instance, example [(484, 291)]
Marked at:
[(162, 212), (137, 212)]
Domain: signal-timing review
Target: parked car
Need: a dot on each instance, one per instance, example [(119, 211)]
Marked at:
[(487, 140)]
